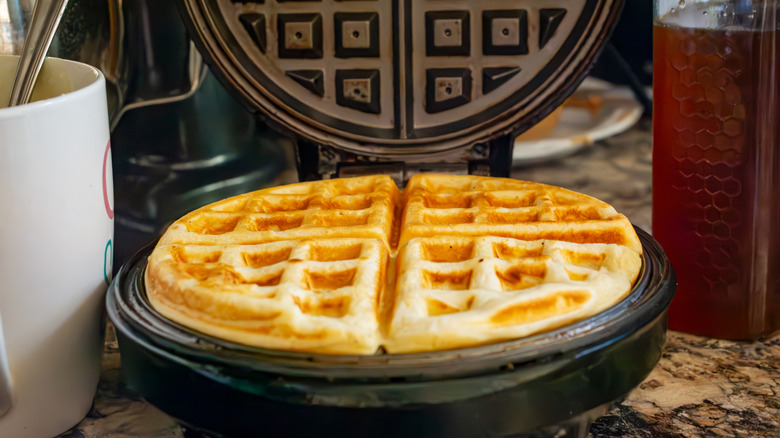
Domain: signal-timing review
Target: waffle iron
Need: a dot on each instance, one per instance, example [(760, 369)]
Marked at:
[(398, 87)]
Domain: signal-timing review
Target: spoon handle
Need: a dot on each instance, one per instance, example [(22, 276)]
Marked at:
[(46, 17)]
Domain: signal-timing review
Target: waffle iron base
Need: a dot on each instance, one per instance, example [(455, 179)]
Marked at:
[(552, 384)]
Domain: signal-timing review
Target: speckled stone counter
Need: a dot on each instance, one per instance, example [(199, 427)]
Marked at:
[(701, 388)]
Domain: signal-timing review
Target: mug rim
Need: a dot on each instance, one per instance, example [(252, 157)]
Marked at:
[(95, 79)]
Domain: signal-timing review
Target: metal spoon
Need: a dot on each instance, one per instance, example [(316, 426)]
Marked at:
[(46, 17)]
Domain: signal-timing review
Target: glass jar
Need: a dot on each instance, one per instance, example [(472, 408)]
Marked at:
[(716, 162)]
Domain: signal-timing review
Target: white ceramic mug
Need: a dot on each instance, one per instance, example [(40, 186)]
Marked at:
[(56, 231)]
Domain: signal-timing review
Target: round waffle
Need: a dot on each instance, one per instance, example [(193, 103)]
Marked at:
[(312, 266)]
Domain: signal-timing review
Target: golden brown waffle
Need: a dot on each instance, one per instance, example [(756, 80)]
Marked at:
[(439, 205), (305, 267), (461, 291), (310, 295), (354, 207)]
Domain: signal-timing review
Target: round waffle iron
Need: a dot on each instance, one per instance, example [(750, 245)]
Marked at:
[(398, 87), (551, 384)]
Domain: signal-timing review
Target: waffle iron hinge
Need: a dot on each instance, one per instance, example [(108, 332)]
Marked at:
[(317, 161)]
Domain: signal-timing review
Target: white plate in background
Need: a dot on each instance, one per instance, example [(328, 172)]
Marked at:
[(578, 128)]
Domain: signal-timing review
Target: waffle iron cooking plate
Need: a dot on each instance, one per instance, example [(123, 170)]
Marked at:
[(374, 86)]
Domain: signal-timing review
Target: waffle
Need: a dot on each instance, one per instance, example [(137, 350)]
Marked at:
[(312, 266), (309, 295), (355, 207), (475, 206), (461, 291)]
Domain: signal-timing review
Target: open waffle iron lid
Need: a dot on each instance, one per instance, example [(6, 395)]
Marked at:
[(395, 80)]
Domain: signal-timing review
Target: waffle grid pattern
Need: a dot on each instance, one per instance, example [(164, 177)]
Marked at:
[(475, 289), (360, 207), (518, 209), (314, 289)]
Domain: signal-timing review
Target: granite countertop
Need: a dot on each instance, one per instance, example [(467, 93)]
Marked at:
[(702, 387)]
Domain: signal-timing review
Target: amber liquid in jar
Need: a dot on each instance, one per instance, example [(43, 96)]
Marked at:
[(716, 185)]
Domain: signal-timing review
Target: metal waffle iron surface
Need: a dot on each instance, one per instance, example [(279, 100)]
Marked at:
[(401, 86), (545, 385)]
